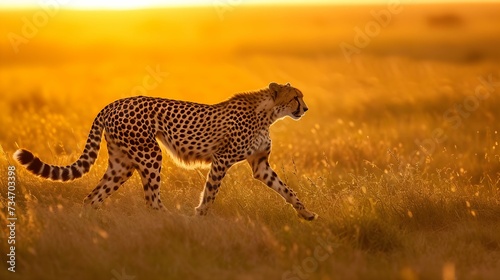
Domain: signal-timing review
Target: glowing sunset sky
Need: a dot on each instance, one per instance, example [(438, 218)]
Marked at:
[(131, 4)]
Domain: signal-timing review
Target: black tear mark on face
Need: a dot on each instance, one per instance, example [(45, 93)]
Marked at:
[(296, 112)]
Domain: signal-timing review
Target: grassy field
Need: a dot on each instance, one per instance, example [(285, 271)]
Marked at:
[(398, 153)]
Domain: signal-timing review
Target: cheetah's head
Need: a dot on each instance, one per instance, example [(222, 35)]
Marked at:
[(288, 101)]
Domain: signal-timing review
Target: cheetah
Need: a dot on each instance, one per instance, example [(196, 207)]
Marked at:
[(218, 135)]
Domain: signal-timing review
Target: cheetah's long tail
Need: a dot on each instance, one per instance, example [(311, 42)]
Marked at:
[(69, 172)]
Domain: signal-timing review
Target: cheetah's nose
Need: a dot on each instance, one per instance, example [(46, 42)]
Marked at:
[(305, 109)]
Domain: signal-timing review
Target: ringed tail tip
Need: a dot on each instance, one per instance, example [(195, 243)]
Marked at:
[(23, 156)]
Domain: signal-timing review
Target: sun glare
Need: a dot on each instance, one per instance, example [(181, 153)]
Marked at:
[(131, 4), (111, 4), (108, 4)]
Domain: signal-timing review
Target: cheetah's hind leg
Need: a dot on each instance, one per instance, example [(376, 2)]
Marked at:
[(120, 169), (150, 168)]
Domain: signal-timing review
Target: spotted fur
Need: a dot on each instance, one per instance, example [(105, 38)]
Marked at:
[(218, 135)]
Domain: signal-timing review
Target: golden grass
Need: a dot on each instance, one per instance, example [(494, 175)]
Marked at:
[(387, 210)]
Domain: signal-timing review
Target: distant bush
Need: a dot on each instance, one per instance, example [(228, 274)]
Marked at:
[(447, 20)]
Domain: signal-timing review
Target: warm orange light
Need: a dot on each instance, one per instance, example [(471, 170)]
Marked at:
[(131, 4), (135, 4)]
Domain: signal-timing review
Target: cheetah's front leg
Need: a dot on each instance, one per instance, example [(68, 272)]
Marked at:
[(214, 178), (263, 172)]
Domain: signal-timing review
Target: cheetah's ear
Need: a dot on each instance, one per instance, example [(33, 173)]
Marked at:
[(288, 84), (275, 88)]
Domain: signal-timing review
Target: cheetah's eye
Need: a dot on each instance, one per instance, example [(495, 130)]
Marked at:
[(296, 98)]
